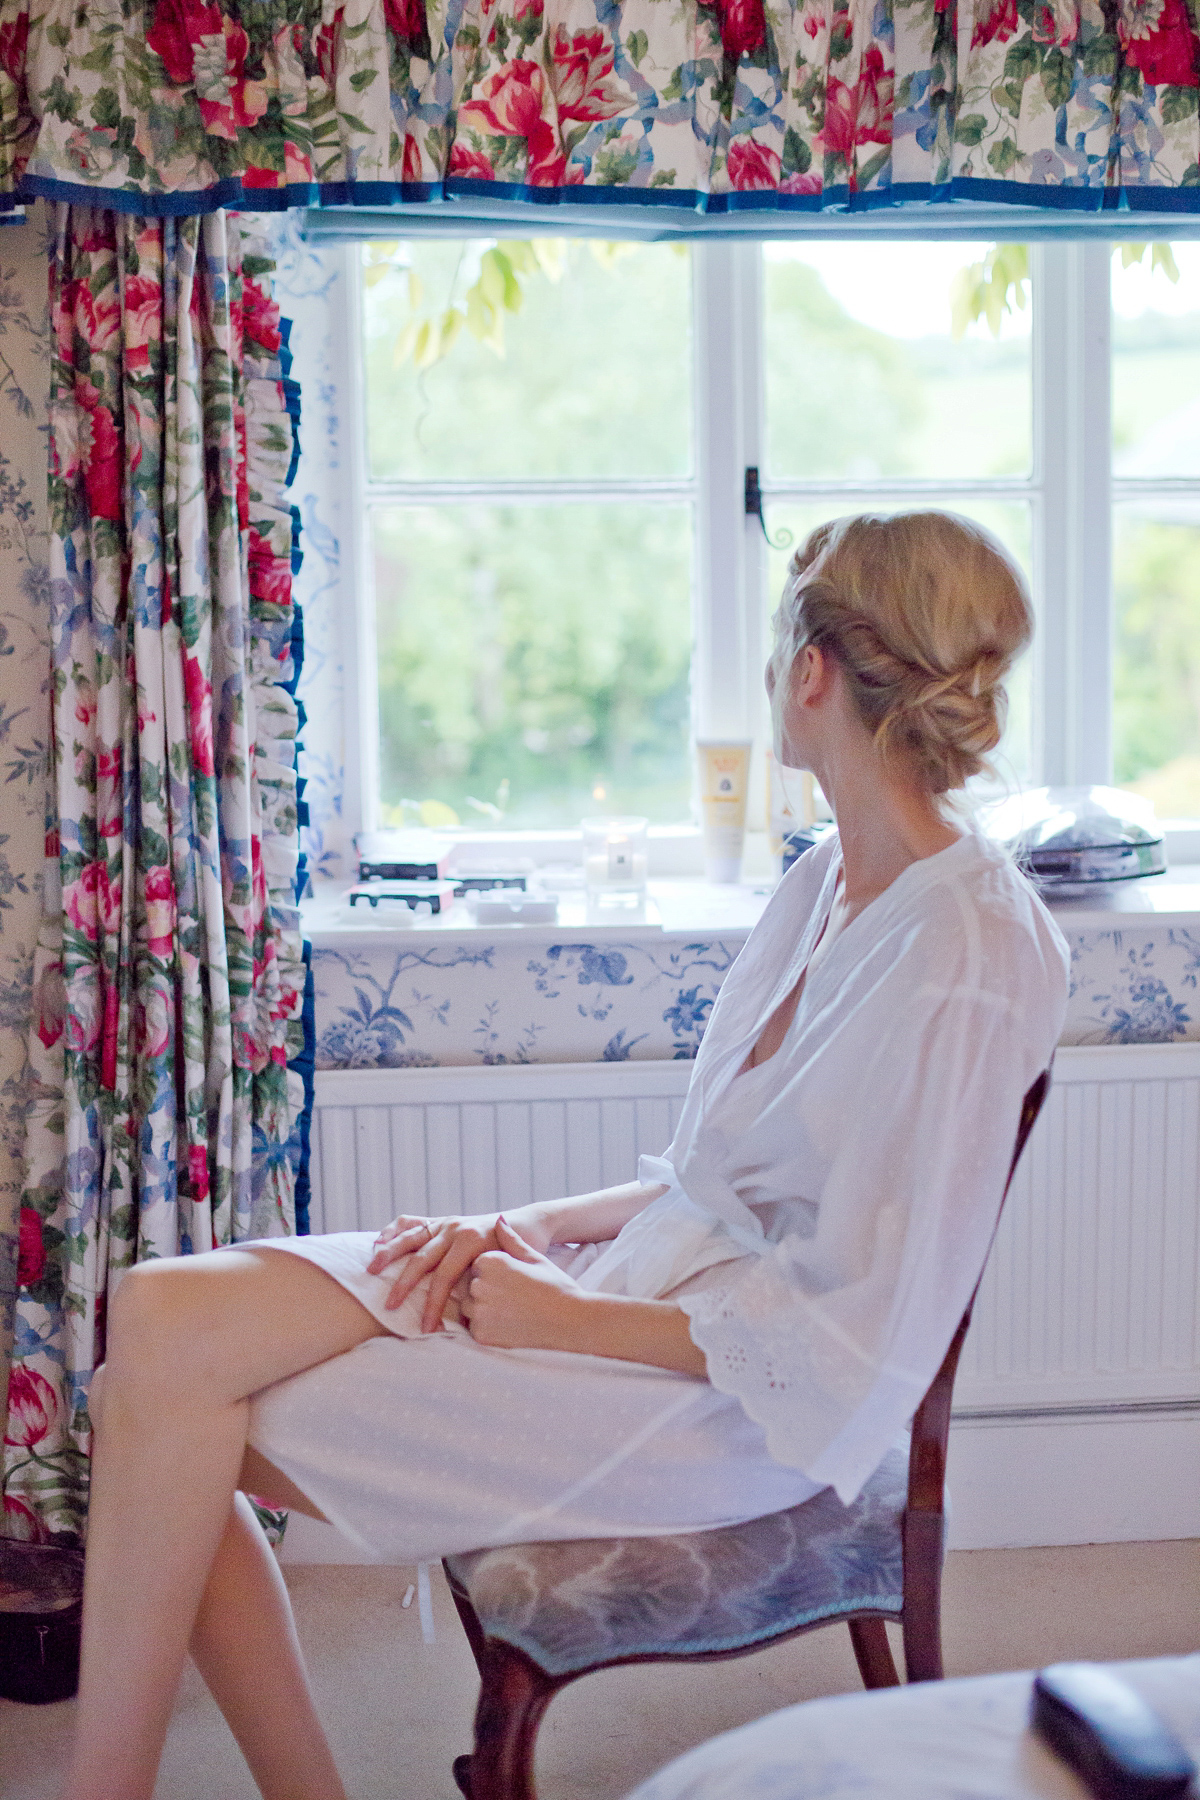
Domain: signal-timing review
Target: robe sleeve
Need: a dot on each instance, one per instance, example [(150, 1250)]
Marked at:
[(830, 1337)]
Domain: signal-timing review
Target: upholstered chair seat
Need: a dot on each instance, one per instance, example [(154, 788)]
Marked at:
[(572, 1606)]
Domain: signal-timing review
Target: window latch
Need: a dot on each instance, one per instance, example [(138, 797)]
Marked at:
[(754, 510)]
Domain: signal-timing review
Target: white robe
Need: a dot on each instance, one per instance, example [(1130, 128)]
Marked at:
[(826, 1217)]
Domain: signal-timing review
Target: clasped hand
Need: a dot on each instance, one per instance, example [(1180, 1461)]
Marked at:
[(514, 1296)]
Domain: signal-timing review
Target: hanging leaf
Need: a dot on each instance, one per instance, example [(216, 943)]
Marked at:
[(403, 347), (479, 314), (452, 324)]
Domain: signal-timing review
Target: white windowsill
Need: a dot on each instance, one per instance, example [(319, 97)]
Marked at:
[(682, 909), (1161, 899), (687, 909)]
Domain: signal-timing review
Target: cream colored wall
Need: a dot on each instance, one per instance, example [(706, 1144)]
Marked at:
[(24, 693)]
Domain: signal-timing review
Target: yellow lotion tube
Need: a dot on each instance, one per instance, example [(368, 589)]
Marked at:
[(724, 778)]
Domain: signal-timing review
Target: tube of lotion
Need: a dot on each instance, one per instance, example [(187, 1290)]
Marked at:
[(724, 778)]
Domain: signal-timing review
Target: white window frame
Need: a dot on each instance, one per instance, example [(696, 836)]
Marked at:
[(1069, 488)]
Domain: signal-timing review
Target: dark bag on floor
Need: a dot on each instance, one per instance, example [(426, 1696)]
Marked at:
[(41, 1601)]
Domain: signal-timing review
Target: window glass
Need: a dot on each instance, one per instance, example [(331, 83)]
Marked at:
[(1156, 366), (1156, 670), (530, 656), (594, 378), (864, 376), (1011, 523)]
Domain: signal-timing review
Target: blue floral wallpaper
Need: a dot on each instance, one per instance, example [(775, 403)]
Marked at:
[(423, 1003), (1137, 985), (397, 1006), (24, 696)]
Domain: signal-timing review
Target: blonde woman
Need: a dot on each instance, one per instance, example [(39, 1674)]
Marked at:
[(752, 1319)]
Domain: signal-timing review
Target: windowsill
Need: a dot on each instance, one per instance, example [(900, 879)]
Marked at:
[(688, 908), (673, 909), (1157, 899)]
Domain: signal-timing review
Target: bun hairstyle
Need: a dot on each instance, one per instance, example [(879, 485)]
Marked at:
[(925, 615)]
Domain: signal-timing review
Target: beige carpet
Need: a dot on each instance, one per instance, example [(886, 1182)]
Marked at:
[(399, 1710)]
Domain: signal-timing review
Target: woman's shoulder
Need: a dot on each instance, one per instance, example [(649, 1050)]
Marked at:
[(978, 921)]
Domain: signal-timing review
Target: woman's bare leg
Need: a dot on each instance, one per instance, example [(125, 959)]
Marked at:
[(244, 1643), (190, 1339)]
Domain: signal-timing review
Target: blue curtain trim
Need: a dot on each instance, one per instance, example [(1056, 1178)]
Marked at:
[(1073, 197), (304, 1065), (304, 1062)]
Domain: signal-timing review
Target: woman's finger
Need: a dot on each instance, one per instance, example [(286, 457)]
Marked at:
[(457, 1260), (414, 1236), (414, 1268), (514, 1244)]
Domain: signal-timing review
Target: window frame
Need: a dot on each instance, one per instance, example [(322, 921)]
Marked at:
[(1070, 491)]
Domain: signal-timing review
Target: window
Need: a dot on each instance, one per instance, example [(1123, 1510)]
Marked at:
[(566, 585), (1156, 531), (530, 526)]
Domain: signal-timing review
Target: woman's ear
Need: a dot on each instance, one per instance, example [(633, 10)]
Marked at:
[(812, 675)]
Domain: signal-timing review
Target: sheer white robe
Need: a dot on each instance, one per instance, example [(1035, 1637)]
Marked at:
[(826, 1217)]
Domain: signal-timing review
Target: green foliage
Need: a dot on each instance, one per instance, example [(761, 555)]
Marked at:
[(842, 398), (548, 647), (481, 303), (566, 398), (989, 289), (1000, 283), (505, 689), (1156, 687)]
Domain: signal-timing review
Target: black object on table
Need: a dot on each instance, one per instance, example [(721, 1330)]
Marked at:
[(1117, 1745)]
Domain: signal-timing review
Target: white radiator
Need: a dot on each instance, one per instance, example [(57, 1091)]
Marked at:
[(1091, 1295)]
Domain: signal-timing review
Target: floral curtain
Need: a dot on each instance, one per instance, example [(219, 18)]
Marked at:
[(176, 106), (168, 977)]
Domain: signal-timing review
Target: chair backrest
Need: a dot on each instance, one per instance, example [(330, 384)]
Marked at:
[(931, 1421)]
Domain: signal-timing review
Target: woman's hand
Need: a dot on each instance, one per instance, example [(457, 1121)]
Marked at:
[(445, 1248), (517, 1299)]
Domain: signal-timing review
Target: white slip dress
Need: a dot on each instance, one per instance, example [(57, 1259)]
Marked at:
[(418, 1445)]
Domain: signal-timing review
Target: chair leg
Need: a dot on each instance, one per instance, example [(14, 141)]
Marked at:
[(873, 1653), (922, 1621), (469, 1620), (513, 1696)]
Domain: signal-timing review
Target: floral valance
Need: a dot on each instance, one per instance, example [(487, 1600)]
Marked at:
[(784, 106)]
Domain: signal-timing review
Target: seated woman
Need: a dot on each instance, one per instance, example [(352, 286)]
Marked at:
[(755, 1318)]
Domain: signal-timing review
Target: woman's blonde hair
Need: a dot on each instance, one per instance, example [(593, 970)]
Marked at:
[(925, 613)]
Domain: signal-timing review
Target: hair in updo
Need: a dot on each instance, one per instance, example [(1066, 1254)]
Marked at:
[(925, 614)]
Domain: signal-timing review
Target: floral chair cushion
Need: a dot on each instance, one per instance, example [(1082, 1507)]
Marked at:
[(575, 1605)]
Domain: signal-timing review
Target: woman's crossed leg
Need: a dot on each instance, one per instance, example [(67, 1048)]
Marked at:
[(175, 1557)]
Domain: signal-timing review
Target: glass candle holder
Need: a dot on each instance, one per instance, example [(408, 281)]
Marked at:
[(614, 868)]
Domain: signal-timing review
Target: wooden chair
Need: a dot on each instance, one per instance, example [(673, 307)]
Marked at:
[(538, 1616)]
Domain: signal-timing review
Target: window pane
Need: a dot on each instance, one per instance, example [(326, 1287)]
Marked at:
[(595, 378), (1156, 674), (1012, 525), (864, 377), (1156, 366), (543, 647)]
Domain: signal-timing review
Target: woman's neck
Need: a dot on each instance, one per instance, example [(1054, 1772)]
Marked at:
[(884, 824)]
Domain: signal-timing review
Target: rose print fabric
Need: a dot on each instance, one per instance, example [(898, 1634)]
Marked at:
[(168, 974), (175, 106)]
